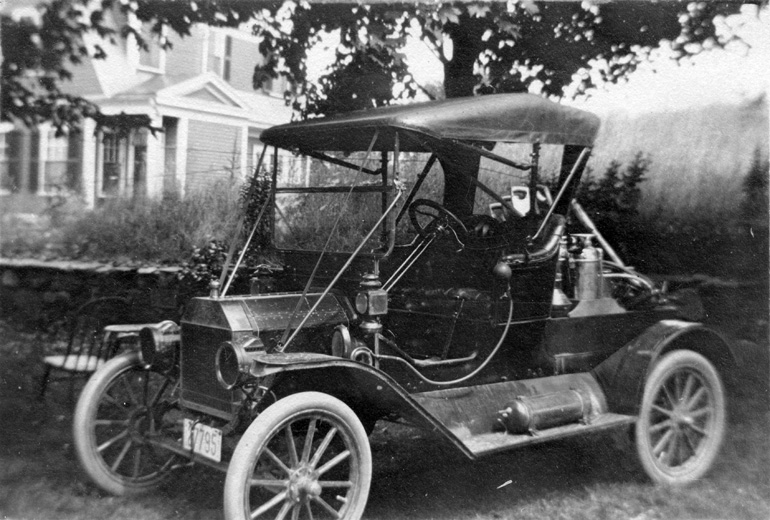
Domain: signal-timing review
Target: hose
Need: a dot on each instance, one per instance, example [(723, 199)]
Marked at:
[(478, 369)]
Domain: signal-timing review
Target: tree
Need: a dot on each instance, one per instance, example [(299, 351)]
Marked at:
[(484, 46)]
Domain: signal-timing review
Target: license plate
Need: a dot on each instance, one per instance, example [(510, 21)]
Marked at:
[(203, 440)]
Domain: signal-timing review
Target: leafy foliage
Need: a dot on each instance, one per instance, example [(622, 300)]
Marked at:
[(613, 199), (203, 267), (128, 231), (207, 262), (254, 194), (612, 202), (484, 46)]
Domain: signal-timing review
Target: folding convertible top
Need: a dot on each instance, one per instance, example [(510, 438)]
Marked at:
[(493, 118)]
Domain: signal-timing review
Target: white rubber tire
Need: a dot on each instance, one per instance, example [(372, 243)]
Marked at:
[(108, 474), (276, 419), (682, 419)]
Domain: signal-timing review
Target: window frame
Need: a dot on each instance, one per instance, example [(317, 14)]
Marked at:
[(135, 53), (45, 158)]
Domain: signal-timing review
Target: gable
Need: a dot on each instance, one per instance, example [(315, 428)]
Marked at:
[(211, 94)]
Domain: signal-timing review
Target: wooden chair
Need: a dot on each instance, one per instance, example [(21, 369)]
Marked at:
[(87, 345)]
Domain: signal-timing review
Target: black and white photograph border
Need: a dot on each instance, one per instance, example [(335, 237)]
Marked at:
[(96, 120)]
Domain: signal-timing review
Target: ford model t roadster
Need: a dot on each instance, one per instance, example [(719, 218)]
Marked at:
[(421, 272)]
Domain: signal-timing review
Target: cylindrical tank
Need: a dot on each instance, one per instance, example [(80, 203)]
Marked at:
[(527, 414), (588, 270), (560, 304)]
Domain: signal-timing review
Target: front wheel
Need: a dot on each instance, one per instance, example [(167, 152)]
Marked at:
[(682, 419), (120, 410), (306, 456)]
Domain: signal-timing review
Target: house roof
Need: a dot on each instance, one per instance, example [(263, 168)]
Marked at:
[(150, 87), (494, 118)]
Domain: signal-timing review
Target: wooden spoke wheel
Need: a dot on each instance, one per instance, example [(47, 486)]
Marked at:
[(120, 409), (682, 419), (306, 456)]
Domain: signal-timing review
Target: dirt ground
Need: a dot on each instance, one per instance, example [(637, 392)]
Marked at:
[(416, 475)]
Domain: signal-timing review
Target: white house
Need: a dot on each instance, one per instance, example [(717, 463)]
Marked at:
[(199, 92)]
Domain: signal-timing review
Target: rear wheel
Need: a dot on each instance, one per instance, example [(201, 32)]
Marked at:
[(306, 456), (120, 409), (682, 419)]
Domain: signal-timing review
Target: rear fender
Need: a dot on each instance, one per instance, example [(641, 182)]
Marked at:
[(622, 375), (370, 393)]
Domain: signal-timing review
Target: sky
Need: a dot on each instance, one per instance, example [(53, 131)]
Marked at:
[(728, 75)]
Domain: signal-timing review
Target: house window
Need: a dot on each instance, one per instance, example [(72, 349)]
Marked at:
[(61, 162), (170, 131), (153, 58), (150, 58), (112, 165), (227, 58), (140, 163), (256, 147), (221, 52)]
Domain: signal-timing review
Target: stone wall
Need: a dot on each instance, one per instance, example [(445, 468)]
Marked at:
[(38, 294)]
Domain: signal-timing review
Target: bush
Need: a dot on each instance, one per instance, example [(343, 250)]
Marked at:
[(721, 243), (206, 262), (612, 201), (132, 230)]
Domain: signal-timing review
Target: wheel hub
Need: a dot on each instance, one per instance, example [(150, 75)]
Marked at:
[(681, 418), (139, 423), (303, 484)]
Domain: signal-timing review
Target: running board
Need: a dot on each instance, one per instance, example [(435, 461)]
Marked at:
[(491, 418), (495, 442)]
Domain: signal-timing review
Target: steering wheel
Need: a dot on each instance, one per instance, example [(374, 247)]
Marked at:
[(443, 219)]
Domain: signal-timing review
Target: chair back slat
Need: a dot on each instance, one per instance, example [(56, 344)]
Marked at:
[(86, 346)]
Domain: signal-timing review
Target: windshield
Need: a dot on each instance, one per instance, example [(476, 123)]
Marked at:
[(333, 200), (327, 199)]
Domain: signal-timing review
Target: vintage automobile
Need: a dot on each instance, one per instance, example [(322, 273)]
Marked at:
[(421, 273)]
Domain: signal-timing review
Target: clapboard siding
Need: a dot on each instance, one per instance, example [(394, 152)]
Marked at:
[(245, 56), (213, 154), (186, 54)]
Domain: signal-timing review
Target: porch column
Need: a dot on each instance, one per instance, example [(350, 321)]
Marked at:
[(182, 132), (155, 164), (245, 173), (25, 162), (88, 163)]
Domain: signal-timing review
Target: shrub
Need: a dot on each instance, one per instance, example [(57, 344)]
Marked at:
[(613, 199), (207, 261), (132, 230), (151, 230)]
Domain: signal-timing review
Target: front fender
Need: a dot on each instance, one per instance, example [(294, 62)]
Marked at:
[(622, 375), (372, 394)]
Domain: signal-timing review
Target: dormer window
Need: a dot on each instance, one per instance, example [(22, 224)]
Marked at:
[(227, 58), (221, 55), (153, 58)]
